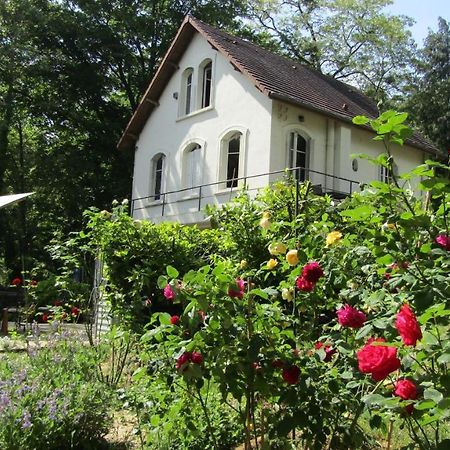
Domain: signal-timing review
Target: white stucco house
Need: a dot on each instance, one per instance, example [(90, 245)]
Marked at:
[(222, 112)]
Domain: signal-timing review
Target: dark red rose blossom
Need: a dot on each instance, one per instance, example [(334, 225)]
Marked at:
[(256, 365), (407, 326), (75, 311), (237, 290), (182, 360), (304, 285), (312, 272), (291, 374), (174, 320), (33, 283), (378, 360), (57, 303), (45, 318), (329, 351), (196, 358), (351, 317), (16, 281)]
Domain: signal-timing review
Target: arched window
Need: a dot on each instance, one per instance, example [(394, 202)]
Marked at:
[(385, 175), (206, 85), (233, 148), (157, 176), (193, 166), (187, 91), (298, 155)]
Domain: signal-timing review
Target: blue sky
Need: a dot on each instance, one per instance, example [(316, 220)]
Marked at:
[(424, 12)]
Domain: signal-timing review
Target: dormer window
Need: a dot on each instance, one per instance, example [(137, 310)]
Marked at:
[(206, 85)]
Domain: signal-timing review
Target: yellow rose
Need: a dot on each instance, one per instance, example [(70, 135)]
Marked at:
[(292, 257), (287, 294), (272, 263), (333, 237), (243, 264), (277, 248), (388, 226)]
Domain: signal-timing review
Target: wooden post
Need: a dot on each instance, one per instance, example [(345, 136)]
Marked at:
[(5, 322)]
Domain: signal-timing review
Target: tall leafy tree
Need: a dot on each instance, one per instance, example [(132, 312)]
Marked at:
[(429, 100), (351, 40)]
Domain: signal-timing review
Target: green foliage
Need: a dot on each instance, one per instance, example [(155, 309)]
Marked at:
[(51, 398)]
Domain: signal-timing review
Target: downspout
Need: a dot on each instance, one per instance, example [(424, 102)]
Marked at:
[(329, 155)]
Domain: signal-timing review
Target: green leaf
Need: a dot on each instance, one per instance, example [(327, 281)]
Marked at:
[(362, 213), (172, 272), (162, 281), (360, 120), (398, 118), (444, 358), (432, 394), (425, 404)]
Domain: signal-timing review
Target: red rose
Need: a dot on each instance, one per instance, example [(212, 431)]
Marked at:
[(237, 290), (183, 359), (196, 358), (405, 389), (304, 285), (312, 272), (44, 318), (291, 374), (443, 240), (57, 303), (16, 281), (75, 311), (329, 351), (407, 326), (351, 317), (33, 283), (379, 360), (174, 320)]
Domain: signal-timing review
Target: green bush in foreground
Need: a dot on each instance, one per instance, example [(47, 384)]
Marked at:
[(50, 398)]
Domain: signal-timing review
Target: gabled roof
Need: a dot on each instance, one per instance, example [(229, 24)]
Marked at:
[(275, 76)]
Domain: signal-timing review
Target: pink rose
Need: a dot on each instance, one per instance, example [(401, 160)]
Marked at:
[(291, 374), (443, 240), (351, 317), (378, 360), (169, 293), (407, 326), (304, 285), (312, 272), (237, 290), (174, 320)]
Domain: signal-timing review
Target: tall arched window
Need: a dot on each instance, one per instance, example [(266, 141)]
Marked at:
[(187, 91), (193, 166), (385, 175), (298, 155), (206, 85), (233, 147), (157, 176)]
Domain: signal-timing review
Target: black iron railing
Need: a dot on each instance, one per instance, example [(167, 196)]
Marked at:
[(298, 174)]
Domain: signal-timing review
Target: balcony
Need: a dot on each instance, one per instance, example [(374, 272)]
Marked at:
[(186, 205)]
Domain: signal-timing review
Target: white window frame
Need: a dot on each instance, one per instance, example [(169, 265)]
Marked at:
[(224, 141), (186, 105), (290, 156), (154, 195)]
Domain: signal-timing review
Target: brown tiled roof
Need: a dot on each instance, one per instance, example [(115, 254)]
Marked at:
[(275, 76)]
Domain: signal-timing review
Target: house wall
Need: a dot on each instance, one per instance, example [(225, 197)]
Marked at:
[(236, 105), (332, 143)]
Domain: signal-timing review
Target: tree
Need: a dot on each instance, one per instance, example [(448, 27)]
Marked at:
[(429, 102), (351, 40)]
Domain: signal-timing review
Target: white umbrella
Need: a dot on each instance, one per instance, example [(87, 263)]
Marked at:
[(8, 199)]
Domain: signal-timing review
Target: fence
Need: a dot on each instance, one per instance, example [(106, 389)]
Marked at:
[(193, 199)]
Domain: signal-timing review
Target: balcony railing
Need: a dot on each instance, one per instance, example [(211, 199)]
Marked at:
[(340, 188)]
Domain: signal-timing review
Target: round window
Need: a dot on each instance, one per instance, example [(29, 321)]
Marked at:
[(355, 165)]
